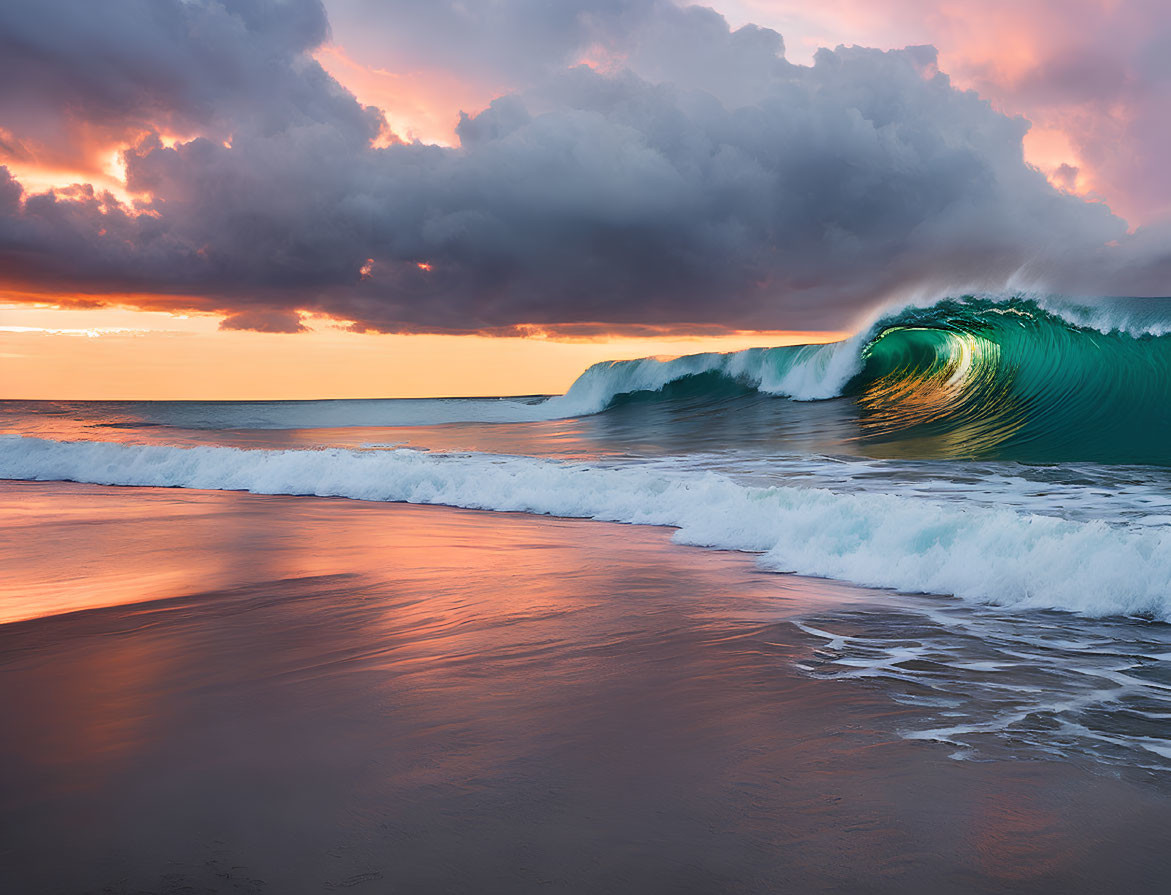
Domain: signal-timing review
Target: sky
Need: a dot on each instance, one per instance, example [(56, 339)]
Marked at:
[(289, 198)]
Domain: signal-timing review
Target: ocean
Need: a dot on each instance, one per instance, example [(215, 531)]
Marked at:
[(985, 480)]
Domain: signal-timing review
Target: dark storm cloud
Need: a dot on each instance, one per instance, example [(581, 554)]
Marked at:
[(125, 65), (719, 185)]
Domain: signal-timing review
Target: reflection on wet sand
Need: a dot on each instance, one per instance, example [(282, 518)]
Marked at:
[(392, 698)]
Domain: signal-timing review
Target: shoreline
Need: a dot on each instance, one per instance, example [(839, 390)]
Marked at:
[(178, 507), (389, 696), (1002, 548)]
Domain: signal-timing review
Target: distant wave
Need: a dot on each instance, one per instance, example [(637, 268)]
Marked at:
[(881, 540), (802, 372)]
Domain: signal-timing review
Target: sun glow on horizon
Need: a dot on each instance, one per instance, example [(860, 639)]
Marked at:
[(134, 346), (53, 353)]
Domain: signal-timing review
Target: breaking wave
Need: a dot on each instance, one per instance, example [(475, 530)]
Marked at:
[(1008, 377)]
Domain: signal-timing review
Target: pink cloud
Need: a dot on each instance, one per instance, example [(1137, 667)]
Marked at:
[(1095, 72)]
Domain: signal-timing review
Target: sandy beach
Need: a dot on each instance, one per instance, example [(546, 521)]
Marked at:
[(616, 447), (343, 695)]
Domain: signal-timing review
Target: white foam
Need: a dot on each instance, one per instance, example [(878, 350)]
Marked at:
[(1136, 317), (882, 540), (802, 372)]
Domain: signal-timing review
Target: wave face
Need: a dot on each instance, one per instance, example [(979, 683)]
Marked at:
[(1016, 379), (982, 553), (1011, 378)]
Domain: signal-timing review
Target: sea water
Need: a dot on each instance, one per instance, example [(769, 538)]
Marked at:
[(1002, 463)]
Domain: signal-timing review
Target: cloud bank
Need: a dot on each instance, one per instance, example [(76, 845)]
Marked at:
[(697, 179), (1094, 77)]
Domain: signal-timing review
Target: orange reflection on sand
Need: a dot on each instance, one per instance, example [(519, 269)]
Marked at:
[(111, 548), (565, 691), (68, 547), (1017, 834), (110, 704)]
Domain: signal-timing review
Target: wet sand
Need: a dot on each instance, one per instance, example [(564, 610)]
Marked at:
[(311, 695)]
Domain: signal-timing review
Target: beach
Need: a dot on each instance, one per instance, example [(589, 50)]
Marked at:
[(236, 692), (606, 446)]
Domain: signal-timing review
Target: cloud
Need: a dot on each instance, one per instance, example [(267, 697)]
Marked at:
[(706, 182), (516, 44), (511, 42), (265, 321), (1097, 72), (76, 73)]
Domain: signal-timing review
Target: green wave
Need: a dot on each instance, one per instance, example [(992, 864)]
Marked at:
[(1011, 379)]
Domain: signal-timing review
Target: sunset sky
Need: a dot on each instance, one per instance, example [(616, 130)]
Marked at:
[(284, 198)]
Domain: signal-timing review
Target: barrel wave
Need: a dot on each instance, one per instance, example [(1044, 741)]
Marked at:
[(1014, 379), (1004, 378)]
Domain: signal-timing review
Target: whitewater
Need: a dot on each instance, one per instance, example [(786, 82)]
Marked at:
[(979, 552)]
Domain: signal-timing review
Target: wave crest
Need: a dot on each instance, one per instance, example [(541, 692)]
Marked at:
[(1001, 377)]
